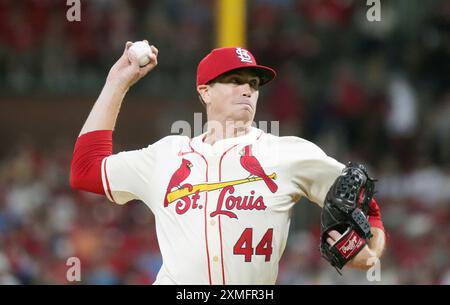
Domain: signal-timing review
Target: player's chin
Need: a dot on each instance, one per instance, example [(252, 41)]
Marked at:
[(244, 110), (244, 116)]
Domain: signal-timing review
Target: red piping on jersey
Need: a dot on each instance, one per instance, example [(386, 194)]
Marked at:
[(108, 188), (220, 224), (221, 251), (180, 153), (206, 205), (259, 135)]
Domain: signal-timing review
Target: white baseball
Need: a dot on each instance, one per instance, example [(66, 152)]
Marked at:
[(141, 50)]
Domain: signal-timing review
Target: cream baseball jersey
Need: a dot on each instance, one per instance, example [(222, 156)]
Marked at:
[(222, 211)]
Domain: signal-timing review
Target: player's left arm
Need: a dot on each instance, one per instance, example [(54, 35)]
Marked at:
[(314, 173), (374, 249)]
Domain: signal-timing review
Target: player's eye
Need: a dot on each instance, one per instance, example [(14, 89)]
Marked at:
[(254, 83), (234, 80)]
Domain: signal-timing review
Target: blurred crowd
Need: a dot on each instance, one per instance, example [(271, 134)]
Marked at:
[(375, 92)]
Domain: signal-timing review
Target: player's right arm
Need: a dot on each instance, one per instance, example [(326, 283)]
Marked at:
[(95, 139)]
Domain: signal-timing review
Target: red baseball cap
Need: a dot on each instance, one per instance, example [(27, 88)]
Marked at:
[(223, 60)]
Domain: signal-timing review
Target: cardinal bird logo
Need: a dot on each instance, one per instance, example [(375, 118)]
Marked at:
[(178, 177), (252, 165)]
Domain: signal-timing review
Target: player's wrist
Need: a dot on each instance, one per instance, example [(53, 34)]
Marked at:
[(365, 259), (116, 86)]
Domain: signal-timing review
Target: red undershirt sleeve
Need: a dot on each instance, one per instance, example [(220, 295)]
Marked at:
[(85, 170), (375, 215)]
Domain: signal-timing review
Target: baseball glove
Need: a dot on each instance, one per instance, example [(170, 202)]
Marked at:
[(345, 210)]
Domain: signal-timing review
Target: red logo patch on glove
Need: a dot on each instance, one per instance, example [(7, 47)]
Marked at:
[(350, 244)]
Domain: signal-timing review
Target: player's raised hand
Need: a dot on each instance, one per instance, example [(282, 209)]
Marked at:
[(126, 71)]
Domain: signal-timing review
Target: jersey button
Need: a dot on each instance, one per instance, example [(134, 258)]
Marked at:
[(215, 258), (212, 222)]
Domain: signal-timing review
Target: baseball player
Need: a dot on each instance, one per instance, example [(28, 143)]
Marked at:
[(221, 200)]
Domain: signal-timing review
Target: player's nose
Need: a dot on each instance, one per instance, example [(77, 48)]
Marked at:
[(246, 90)]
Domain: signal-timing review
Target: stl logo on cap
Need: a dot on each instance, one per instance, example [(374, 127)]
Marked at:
[(243, 55)]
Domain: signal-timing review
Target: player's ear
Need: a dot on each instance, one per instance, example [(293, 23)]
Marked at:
[(203, 93)]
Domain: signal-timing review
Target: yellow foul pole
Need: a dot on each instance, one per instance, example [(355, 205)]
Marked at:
[(230, 23)]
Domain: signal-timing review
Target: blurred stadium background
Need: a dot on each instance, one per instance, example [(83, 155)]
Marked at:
[(377, 92)]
